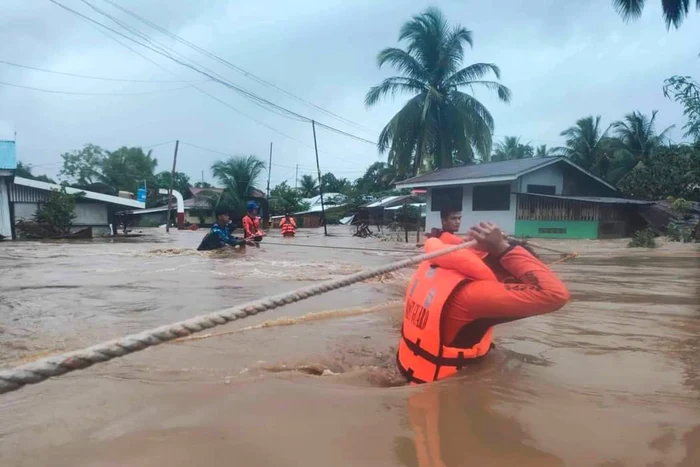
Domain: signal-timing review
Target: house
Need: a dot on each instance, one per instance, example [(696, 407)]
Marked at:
[(384, 210), (535, 197), (8, 164)]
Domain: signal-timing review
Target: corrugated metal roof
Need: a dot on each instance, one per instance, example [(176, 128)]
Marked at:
[(8, 155), (594, 199), (477, 171), (37, 185)]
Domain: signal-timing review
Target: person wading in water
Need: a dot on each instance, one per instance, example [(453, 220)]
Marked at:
[(251, 223), (220, 234), (453, 302), (288, 226), (451, 220)]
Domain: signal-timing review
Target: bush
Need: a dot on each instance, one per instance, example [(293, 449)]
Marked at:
[(680, 206), (643, 239), (679, 233)]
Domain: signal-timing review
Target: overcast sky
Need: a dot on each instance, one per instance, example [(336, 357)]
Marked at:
[(563, 59)]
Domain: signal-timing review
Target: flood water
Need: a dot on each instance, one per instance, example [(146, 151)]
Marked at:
[(613, 379)]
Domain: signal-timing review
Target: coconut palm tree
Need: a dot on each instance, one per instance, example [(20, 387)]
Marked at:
[(674, 11), (308, 186), (583, 144), (636, 142), (239, 176), (440, 124), (511, 148), (544, 151)]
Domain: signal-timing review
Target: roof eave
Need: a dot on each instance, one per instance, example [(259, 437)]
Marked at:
[(88, 194), (462, 181)]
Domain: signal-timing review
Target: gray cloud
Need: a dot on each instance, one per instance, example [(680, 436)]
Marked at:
[(563, 60)]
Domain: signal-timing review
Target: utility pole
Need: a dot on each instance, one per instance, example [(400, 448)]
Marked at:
[(202, 177), (170, 191), (320, 185), (296, 178), (269, 172)]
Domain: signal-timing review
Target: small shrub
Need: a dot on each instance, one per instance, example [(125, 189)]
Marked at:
[(679, 233), (680, 206), (643, 239)]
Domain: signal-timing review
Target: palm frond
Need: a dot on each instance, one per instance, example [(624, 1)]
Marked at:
[(471, 73), (629, 9), (403, 61), (392, 86), (504, 94)]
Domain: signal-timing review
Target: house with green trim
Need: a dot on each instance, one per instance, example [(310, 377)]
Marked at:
[(545, 197)]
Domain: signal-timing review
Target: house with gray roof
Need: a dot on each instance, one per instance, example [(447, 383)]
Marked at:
[(535, 197)]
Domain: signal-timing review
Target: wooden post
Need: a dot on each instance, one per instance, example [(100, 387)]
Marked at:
[(170, 190), (420, 217), (320, 185), (269, 172)]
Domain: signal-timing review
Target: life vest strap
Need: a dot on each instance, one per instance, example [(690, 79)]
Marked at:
[(407, 372), (458, 362)]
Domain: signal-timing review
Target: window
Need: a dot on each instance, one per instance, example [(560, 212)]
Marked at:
[(446, 198), (542, 189), (491, 198), (551, 230)]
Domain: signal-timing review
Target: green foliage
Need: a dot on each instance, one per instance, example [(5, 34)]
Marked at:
[(673, 171), (83, 167), (678, 232), (203, 185), (239, 176), (25, 171), (332, 184), (378, 177), (57, 213), (583, 144), (285, 199), (439, 126), (308, 186), (511, 148), (544, 151), (181, 182), (127, 168), (680, 206), (674, 11), (686, 91), (643, 239)]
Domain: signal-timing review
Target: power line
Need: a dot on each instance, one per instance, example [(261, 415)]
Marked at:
[(101, 78), (53, 91), (245, 73)]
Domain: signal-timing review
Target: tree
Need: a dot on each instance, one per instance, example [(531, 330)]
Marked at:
[(332, 184), (203, 185), (673, 171), (544, 151), (377, 178), (511, 148), (674, 11), (83, 167), (128, 168), (238, 175), (440, 125), (25, 171), (54, 216), (285, 199), (583, 144), (686, 91), (308, 186), (181, 182), (635, 143)]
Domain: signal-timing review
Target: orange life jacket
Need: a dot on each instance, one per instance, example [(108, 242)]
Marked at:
[(288, 227), (422, 356)]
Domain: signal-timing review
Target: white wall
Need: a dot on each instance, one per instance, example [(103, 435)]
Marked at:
[(25, 211), (504, 219), (5, 222), (550, 175), (90, 214)]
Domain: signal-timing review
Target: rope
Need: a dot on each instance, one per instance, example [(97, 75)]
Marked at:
[(35, 372)]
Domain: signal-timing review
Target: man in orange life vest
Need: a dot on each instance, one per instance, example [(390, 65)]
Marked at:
[(251, 223), (451, 220), (453, 302), (288, 225)]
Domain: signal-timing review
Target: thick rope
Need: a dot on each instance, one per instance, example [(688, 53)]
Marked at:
[(35, 372)]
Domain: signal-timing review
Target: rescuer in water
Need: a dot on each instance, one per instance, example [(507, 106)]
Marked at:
[(288, 226), (251, 223), (220, 234), (453, 302)]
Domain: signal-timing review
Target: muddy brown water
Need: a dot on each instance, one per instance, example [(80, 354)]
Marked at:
[(612, 379)]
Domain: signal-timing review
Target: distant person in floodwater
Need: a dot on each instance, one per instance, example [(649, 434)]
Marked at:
[(453, 302), (220, 234), (288, 226), (251, 223)]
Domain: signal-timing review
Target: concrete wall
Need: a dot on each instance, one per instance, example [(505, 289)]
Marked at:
[(90, 214), (550, 175), (504, 219), (5, 221)]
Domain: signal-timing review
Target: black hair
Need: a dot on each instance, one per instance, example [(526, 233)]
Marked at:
[(220, 212), (445, 213)]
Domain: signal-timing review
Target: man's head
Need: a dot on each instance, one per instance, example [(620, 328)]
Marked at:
[(252, 207), (451, 220), (222, 216)]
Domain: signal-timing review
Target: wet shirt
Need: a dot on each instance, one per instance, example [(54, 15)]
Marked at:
[(251, 226), (478, 305), (219, 237)]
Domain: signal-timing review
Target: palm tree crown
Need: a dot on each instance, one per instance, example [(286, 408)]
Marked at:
[(439, 125), (638, 135), (674, 11), (583, 143), (511, 148), (308, 186)]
